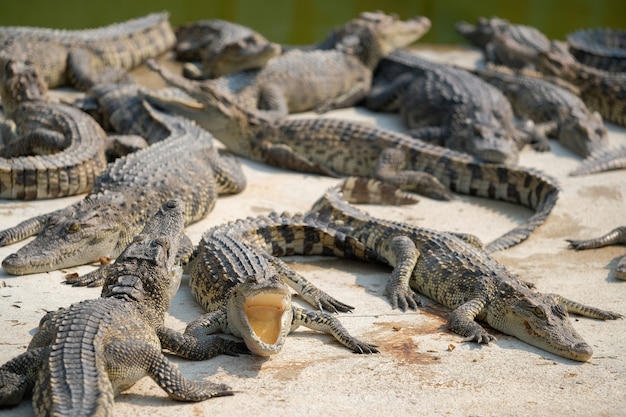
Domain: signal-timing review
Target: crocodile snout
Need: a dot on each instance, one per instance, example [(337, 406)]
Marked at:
[(13, 264), (581, 351)]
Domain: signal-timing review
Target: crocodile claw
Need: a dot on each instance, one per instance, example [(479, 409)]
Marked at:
[(482, 338), (403, 299)]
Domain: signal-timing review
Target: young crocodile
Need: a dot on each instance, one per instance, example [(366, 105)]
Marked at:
[(185, 165), (222, 48), (454, 270), (614, 237), (343, 148), (556, 112), (601, 48), (50, 149), (85, 354), (447, 106), (491, 34), (85, 57), (244, 288), (338, 73)]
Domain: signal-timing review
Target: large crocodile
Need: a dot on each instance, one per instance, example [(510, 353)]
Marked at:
[(447, 106), (499, 37), (244, 288), (185, 165), (85, 354), (222, 48), (344, 148), (85, 57), (556, 112), (338, 73), (614, 237), (454, 270), (50, 149)]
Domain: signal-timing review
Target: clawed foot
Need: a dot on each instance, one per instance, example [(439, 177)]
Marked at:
[(403, 298), (481, 338)]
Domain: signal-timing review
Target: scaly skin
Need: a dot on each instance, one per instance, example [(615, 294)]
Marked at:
[(343, 148), (447, 106), (601, 48), (556, 112), (604, 160), (455, 271), (338, 73), (616, 236), (86, 57), (222, 48), (185, 165), (51, 149), (85, 354), (244, 288)]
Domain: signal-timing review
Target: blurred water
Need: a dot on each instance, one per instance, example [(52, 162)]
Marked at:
[(306, 21)]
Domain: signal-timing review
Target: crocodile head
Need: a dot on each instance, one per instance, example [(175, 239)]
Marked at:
[(20, 82), (482, 32), (260, 312), (252, 51), (486, 139), (374, 35), (540, 320), (76, 235), (583, 133)]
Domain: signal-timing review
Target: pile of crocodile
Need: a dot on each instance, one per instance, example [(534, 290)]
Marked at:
[(466, 128)]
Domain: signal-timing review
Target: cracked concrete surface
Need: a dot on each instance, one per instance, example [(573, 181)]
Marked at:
[(422, 368)]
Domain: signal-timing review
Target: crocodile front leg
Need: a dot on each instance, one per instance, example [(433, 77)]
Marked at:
[(125, 360), (199, 346), (18, 376), (614, 237), (585, 310), (283, 156), (390, 168), (398, 290), (462, 322), (327, 323)]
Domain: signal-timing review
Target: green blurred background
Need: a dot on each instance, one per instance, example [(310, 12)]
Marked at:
[(306, 21)]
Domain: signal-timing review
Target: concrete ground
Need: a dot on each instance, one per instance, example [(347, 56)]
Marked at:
[(422, 368)]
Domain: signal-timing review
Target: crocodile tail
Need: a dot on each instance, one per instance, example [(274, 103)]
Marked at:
[(601, 161), (524, 186)]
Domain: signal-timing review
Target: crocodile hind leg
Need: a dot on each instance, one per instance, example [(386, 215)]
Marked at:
[(18, 376), (398, 290), (390, 168), (327, 323), (129, 361), (614, 237)]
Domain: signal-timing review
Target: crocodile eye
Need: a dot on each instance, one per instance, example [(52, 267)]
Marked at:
[(538, 312), (75, 227)]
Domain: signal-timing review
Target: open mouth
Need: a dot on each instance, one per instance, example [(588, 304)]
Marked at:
[(264, 314)]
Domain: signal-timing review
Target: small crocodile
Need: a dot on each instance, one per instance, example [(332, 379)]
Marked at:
[(454, 270), (344, 148), (447, 106), (491, 34), (601, 48), (614, 237), (85, 57), (601, 161), (338, 73), (85, 354), (50, 149), (222, 47), (237, 280), (185, 165), (556, 112)]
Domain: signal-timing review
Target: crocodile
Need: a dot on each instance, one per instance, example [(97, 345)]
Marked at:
[(556, 112), (85, 57), (490, 34), (601, 161), (447, 106), (85, 354), (614, 237), (50, 149), (244, 288), (336, 74), (222, 47), (602, 91), (600, 47), (185, 165), (336, 147), (454, 270)]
